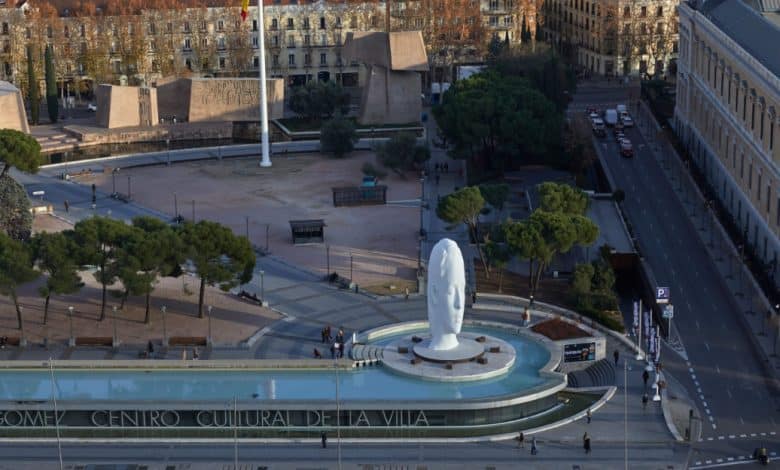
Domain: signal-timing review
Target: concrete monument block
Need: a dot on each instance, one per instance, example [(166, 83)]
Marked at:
[(13, 115), (219, 99), (394, 60), (126, 106)]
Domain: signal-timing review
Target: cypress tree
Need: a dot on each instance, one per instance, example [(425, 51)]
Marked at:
[(51, 86), (523, 30), (32, 81)]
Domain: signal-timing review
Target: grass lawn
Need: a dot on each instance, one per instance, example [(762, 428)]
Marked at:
[(302, 124)]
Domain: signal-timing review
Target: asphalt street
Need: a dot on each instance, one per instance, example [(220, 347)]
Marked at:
[(722, 369)]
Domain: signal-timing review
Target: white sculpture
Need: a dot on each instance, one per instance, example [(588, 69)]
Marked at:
[(446, 294)]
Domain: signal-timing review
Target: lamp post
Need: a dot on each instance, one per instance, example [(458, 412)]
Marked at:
[(113, 181), (193, 211), (246, 218), (262, 287), (350, 266), (327, 260), (22, 340), (267, 228), (71, 340), (168, 147), (165, 330), (129, 194), (422, 203), (264, 137), (208, 338), (115, 341)]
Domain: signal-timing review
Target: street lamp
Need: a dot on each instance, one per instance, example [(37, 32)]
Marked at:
[(113, 318), (262, 287), (113, 181), (208, 338), (422, 203), (350, 266), (22, 340), (128, 187), (165, 330), (71, 340)]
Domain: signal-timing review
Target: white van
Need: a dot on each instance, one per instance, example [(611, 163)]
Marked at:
[(610, 117)]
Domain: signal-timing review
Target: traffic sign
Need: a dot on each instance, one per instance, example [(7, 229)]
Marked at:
[(662, 295), (668, 312)]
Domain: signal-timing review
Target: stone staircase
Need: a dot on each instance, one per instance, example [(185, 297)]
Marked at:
[(600, 374), (366, 355), (56, 141)]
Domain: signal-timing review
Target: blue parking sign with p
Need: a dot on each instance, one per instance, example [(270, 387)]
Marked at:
[(662, 295)]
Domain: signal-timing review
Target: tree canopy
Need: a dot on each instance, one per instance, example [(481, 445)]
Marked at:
[(498, 121), (54, 254), (15, 216), (220, 257), (16, 268), (338, 136), (317, 100), (558, 197), (402, 153), (464, 206), (19, 150)]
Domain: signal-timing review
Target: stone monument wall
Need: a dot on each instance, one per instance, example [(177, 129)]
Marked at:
[(393, 101), (219, 99), (13, 115), (126, 106)]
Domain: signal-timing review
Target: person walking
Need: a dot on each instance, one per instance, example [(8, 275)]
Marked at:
[(589, 415), (645, 399), (333, 350), (67, 205), (616, 355), (406, 294), (645, 377), (534, 450), (324, 439), (586, 443), (520, 440)]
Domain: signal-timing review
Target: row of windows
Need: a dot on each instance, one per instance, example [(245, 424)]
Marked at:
[(306, 24)]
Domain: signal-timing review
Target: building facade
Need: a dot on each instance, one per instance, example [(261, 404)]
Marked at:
[(728, 95), (614, 37)]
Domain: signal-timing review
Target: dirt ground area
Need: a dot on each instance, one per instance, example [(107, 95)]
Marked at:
[(381, 240), (232, 320)]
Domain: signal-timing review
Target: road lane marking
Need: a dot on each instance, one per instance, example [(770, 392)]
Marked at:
[(728, 391), (717, 368), (707, 346)]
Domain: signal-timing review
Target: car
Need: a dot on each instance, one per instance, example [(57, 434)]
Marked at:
[(626, 149), (598, 127), (619, 136), (593, 116), (619, 125), (92, 107), (627, 121)]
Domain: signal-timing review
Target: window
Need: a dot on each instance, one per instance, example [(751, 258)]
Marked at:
[(306, 40), (291, 41), (753, 116), (493, 4), (750, 176), (323, 58), (761, 126), (290, 23), (5, 29), (66, 32), (82, 30), (353, 22), (742, 166), (188, 64), (256, 42), (493, 21), (374, 21), (291, 60), (203, 25), (643, 12), (221, 43), (153, 46), (659, 12), (186, 26), (274, 40), (768, 198), (339, 61), (256, 61), (222, 62), (187, 44), (220, 25), (626, 12), (758, 187), (274, 24), (338, 22), (275, 60), (307, 59), (49, 32), (27, 33), (204, 42), (771, 134), (306, 23), (152, 28), (323, 39), (322, 22), (169, 27)]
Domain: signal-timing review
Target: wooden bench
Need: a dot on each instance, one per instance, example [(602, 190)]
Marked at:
[(94, 341), (187, 341)]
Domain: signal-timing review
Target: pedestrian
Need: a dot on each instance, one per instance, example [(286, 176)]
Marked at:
[(406, 294), (323, 336), (317, 354), (645, 377), (327, 333), (446, 167), (533, 446), (340, 336), (436, 167), (526, 316), (589, 415), (520, 440), (616, 355), (586, 443), (150, 347), (195, 354), (473, 297), (333, 350), (183, 354), (67, 205), (324, 438), (645, 399), (341, 350)]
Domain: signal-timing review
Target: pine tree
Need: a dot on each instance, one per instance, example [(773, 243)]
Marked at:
[(51, 86), (32, 81)]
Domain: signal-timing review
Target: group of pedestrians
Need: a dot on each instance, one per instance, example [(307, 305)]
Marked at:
[(336, 348)]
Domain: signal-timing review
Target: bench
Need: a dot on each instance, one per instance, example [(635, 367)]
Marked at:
[(94, 341), (187, 341)]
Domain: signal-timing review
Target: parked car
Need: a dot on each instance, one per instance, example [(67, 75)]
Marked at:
[(627, 121), (626, 149), (92, 107), (598, 127)]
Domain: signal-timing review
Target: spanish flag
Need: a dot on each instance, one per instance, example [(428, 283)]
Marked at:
[(244, 9)]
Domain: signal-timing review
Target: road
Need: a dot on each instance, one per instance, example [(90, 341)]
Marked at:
[(309, 454), (722, 369)]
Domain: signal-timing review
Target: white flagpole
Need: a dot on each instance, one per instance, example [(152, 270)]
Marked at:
[(639, 343), (266, 161)]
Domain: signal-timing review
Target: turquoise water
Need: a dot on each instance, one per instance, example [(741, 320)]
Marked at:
[(368, 384)]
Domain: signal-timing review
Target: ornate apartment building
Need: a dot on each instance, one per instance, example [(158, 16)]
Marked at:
[(303, 38), (614, 37), (728, 97)]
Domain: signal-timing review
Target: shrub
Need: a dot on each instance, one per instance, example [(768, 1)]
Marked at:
[(338, 136), (370, 170)]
